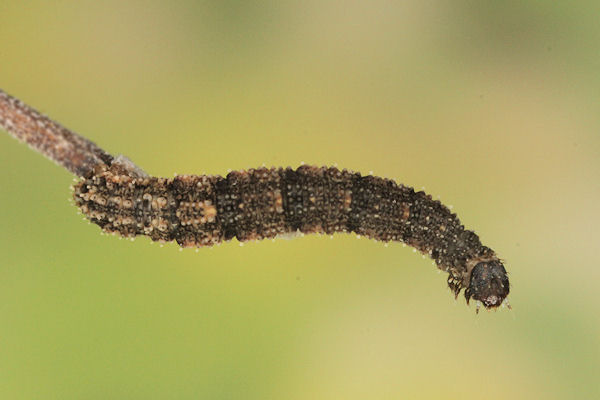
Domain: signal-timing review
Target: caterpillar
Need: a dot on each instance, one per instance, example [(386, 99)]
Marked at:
[(198, 211), (204, 210)]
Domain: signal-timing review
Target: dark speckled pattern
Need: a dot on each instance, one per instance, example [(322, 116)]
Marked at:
[(261, 203)]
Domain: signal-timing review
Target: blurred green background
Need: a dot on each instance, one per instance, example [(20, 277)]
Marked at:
[(493, 106)]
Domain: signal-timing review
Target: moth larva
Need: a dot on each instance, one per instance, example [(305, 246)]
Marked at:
[(261, 203)]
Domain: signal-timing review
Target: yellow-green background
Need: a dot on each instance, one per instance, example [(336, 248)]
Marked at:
[(492, 105)]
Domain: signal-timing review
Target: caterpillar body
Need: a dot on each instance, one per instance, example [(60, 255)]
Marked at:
[(197, 211)]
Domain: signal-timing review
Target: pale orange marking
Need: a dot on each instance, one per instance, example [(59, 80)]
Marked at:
[(405, 212), (347, 200), (116, 200), (209, 211), (278, 201), (161, 202), (101, 200), (162, 224)]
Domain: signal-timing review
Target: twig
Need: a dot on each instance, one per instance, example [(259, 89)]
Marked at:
[(66, 148)]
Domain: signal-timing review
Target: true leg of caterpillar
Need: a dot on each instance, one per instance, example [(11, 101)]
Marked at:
[(263, 203)]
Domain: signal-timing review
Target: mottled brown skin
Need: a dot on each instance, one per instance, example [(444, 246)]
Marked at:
[(263, 203)]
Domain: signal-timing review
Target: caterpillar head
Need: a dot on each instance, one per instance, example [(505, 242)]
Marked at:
[(488, 283)]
